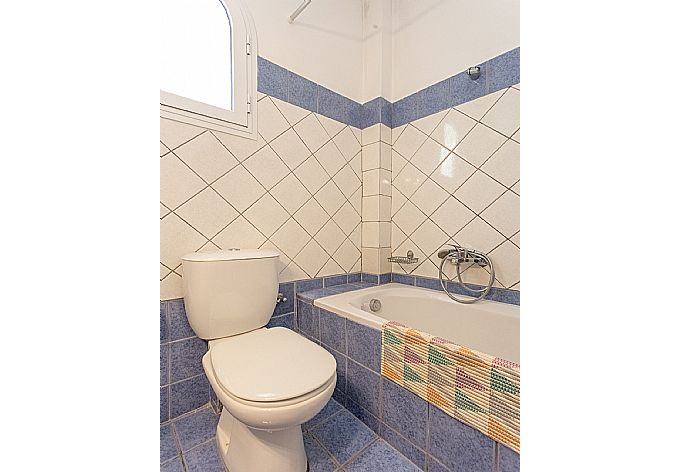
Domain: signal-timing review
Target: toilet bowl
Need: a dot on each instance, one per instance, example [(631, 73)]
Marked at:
[(269, 380)]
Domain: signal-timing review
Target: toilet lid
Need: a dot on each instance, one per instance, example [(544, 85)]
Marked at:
[(269, 365)]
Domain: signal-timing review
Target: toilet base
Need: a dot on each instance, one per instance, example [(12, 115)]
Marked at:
[(245, 449)]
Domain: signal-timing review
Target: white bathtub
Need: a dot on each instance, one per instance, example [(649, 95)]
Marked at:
[(486, 326)]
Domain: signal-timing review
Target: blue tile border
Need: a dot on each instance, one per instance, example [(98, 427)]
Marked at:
[(497, 73)]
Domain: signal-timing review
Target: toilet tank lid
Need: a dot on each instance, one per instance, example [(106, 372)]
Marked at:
[(230, 255)]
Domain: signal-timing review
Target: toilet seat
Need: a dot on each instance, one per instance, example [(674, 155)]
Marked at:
[(270, 366)]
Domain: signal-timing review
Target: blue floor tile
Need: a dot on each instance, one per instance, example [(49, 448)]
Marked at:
[(204, 458), (381, 457), (174, 465), (343, 435), (167, 445), (196, 429), (327, 411), (319, 460)]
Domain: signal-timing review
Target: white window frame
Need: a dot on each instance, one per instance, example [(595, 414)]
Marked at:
[(242, 120)]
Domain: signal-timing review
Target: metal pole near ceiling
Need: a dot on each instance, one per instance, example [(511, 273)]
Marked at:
[(299, 10)]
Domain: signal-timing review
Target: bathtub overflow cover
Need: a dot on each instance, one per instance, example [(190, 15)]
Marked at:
[(375, 304)]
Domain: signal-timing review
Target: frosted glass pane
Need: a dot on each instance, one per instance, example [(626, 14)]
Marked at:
[(196, 60)]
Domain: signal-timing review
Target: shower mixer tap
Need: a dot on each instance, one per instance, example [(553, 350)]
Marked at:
[(461, 254)]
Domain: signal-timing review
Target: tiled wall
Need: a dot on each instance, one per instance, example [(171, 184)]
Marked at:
[(423, 433), (297, 189), (456, 179)]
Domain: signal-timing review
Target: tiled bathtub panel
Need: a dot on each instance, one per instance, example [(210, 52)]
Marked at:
[(458, 446), (308, 319), (405, 412), (509, 460), (364, 387), (341, 372), (364, 345), (332, 330)]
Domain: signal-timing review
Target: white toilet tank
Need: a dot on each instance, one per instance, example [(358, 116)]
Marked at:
[(229, 292)]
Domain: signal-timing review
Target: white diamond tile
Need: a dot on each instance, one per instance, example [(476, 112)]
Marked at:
[(516, 86), (164, 271), (355, 236), (429, 155), (290, 193), (311, 258), (266, 215), (330, 197), (311, 217), (207, 212), (385, 180), (356, 200), (311, 132), (331, 126), (426, 269), (478, 107), (177, 239), (208, 247), (370, 234), (427, 124), (346, 180), (266, 167), (371, 156), (504, 165), (239, 188), (171, 287), (516, 136), (346, 218), (396, 132), (291, 149), (292, 272), (331, 268), (452, 173), (429, 237), (516, 239), (260, 96), (347, 143), (429, 197), (290, 238), (397, 201), (358, 134), (207, 157), (397, 236), (283, 260), (516, 188), (479, 144), (330, 158), (506, 260), (453, 129), (370, 260), (504, 116), (479, 235), (409, 180), (474, 274), (451, 216), (164, 149), (174, 133), (479, 191), (239, 234), (311, 174), (271, 122), (239, 146), (385, 234), (408, 218), (291, 112), (330, 237), (504, 214), (178, 182), (356, 165), (164, 210), (347, 255), (409, 142), (397, 164)]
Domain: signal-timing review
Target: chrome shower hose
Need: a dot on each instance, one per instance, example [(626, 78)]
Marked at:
[(482, 292)]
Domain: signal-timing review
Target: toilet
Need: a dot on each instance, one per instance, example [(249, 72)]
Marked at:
[(269, 380)]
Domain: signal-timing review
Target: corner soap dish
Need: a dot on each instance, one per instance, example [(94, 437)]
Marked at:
[(409, 259)]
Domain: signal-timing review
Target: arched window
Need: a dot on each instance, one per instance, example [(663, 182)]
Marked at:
[(208, 65)]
